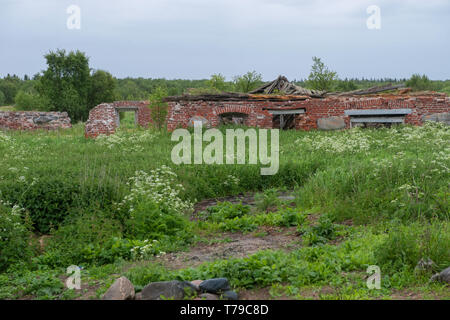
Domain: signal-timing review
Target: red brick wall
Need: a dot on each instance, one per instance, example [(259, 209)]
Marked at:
[(31, 120), (181, 111), (103, 118)]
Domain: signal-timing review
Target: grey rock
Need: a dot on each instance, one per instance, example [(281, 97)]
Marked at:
[(444, 276), (216, 285), (230, 295), (424, 265), (203, 120), (438, 117), (331, 123), (44, 119), (121, 289), (167, 290)]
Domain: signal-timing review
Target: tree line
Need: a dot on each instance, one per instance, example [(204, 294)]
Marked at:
[(70, 84)]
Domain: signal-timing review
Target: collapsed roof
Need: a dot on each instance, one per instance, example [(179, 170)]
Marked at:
[(282, 89), (281, 85)]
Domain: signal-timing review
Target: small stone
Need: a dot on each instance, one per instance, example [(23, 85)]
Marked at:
[(230, 295), (216, 285), (121, 289), (138, 296), (167, 290), (208, 296)]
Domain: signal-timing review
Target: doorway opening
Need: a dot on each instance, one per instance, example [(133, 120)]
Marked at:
[(126, 117)]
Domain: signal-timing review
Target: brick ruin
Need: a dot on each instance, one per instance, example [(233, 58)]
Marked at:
[(291, 112), (105, 119), (32, 120), (284, 105)]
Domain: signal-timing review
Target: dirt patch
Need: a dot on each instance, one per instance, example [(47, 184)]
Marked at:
[(234, 245), (245, 199)]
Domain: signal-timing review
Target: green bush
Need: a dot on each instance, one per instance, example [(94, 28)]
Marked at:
[(406, 245), (267, 200), (82, 239), (2, 98), (51, 198), (225, 210), (15, 237), (28, 101), (320, 233), (149, 220)]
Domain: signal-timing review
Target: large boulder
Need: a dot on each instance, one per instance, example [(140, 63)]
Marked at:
[(121, 289), (167, 290), (216, 285), (438, 117), (331, 123)]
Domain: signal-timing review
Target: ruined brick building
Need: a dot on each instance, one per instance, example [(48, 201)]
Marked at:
[(280, 104)]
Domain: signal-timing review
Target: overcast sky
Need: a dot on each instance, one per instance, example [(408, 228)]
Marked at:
[(192, 39)]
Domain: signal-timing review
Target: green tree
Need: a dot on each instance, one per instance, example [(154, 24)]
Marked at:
[(321, 78), (247, 82), (419, 83), (30, 101), (66, 83), (345, 85), (217, 81), (103, 88), (10, 85), (158, 108), (2, 98)]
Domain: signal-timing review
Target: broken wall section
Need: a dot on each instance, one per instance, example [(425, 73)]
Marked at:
[(32, 120), (104, 118)]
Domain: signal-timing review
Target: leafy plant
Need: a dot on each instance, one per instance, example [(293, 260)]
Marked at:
[(321, 78)]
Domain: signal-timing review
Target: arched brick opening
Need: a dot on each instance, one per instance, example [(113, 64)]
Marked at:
[(234, 114)]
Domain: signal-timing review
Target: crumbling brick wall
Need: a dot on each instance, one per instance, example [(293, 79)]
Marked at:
[(103, 119), (32, 120), (181, 112)]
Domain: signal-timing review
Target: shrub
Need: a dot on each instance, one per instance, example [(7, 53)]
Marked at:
[(80, 240), (2, 98), (266, 200), (407, 244), (153, 208), (15, 236), (49, 199), (29, 101), (225, 210), (419, 83), (320, 233), (149, 220)]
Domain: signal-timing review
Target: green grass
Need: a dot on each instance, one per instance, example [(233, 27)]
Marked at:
[(391, 184)]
